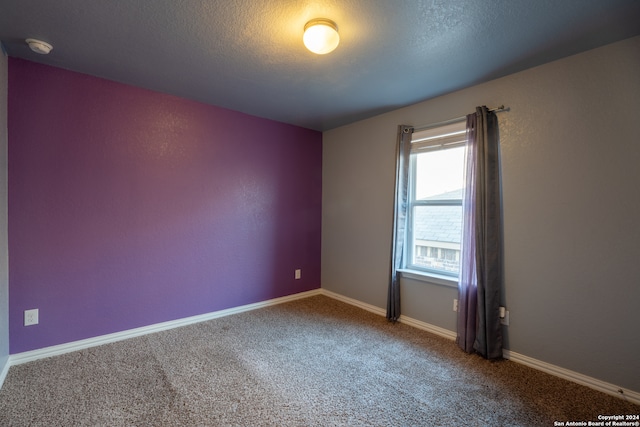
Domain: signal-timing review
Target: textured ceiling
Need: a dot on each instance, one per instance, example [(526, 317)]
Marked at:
[(247, 55)]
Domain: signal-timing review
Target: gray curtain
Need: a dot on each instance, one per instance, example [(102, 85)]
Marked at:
[(480, 284), (403, 149)]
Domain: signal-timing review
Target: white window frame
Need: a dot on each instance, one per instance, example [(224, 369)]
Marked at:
[(441, 137)]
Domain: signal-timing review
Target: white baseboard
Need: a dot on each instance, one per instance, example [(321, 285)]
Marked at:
[(596, 384), (41, 353), (355, 302), (4, 372), (382, 312), (403, 319), (576, 377), (28, 356), (428, 327)]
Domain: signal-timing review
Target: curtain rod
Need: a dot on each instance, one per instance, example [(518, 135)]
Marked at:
[(457, 119)]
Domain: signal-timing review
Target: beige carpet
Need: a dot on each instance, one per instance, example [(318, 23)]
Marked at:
[(312, 362)]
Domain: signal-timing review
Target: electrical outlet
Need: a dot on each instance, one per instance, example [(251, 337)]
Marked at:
[(298, 274), (505, 320), (31, 317), (455, 305)]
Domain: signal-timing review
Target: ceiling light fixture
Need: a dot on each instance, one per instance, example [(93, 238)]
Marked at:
[(321, 36), (38, 46)]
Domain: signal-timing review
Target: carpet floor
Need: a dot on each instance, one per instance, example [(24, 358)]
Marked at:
[(310, 362)]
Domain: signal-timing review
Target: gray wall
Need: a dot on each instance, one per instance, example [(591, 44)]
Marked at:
[(4, 269), (570, 146)]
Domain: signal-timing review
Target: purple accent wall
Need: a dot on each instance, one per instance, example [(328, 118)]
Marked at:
[(129, 207)]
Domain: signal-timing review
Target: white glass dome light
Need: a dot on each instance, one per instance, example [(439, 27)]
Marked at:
[(38, 46), (321, 36)]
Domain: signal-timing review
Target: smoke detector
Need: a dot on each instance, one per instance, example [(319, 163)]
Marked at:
[(38, 46)]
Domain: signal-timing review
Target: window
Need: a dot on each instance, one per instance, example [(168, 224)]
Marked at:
[(435, 199)]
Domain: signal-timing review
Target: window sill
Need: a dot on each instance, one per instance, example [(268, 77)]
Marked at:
[(432, 278)]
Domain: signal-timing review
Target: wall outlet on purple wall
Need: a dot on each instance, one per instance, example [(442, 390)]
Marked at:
[(31, 317), (129, 207)]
